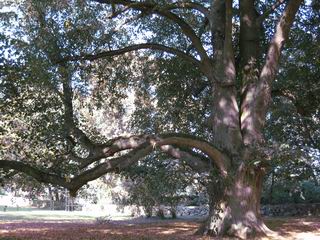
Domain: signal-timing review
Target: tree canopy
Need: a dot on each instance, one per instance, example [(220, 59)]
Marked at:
[(91, 87)]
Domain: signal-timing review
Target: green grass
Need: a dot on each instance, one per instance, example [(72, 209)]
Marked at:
[(10, 209), (34, 214)]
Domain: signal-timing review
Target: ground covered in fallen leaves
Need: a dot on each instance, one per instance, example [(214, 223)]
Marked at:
[(287, 228)]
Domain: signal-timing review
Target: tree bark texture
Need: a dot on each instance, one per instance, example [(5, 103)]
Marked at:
[(234, 207), (238, 131)]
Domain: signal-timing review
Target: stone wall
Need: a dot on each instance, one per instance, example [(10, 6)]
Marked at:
[(282, 210), (299, 209), (193, 210)]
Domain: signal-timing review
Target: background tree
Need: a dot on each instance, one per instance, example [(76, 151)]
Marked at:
[(154, 184), (294, 118)]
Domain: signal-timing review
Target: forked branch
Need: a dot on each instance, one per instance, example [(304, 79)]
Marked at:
[(140, 147)]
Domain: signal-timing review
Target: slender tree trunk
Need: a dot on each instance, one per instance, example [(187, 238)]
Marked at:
[(271, 188)]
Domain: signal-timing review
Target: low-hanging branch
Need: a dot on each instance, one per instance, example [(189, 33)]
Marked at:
[(198, 163), (138, 146), (140, 149), (36, 173), (120, 144)]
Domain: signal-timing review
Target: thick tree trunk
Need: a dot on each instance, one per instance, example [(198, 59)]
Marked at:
[(236, 212)]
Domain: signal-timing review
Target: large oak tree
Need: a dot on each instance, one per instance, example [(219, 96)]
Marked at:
[(229, 46)]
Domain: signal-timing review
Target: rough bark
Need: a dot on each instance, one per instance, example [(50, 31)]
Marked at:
[(250, 34), (236, 211), (235, 206), (226, 129)]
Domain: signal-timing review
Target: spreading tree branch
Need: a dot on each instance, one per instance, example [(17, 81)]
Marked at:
[(119, 144), (110, 165), (140, 146), (149, 8), (39, 175), (131, 48), (121, 163)]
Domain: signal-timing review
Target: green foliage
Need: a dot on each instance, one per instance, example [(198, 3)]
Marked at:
[(294, 178), (294, 116), (293, 120), (99, 191), (154, 183), (32, 112), (294, 192), (310, 192)]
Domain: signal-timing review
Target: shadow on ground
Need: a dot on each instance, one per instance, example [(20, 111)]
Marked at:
[(287, 228)]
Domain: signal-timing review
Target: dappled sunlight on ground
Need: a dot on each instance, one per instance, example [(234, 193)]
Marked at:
[(296, 228), (287, 228), (36, 230)]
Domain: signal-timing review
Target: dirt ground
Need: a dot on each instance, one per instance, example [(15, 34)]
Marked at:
[(286, 228)]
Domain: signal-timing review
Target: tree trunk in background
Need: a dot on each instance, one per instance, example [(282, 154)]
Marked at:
[(271, 187)]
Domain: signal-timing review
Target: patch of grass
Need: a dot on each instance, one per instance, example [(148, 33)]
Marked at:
[(45, 215), (13, 209)]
